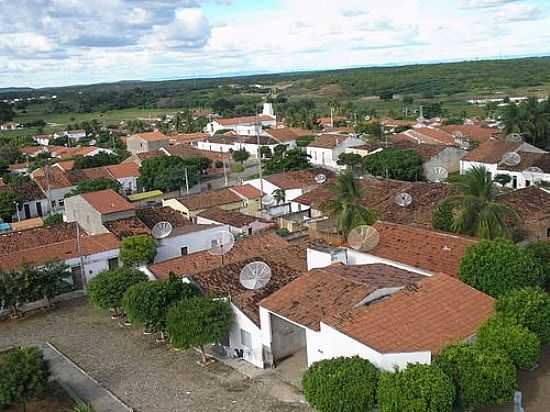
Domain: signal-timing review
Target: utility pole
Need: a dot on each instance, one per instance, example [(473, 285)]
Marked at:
[(226, 183), (81, 258), (17, 210), (260, 172), (186, 182), (332, 118)]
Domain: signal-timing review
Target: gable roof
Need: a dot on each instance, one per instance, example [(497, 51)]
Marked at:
[(328, 141), (529, 159), (532, 203), (244, 120), (288, 134), (491, 151), (123, 170), (421, 248), (246, 191), (107, 201), (182, 138), (26, 239), (209, 199), (228, 217), (150, 136), (298, 179), (428, 135), (257, 245), (225, 282), (473, 132)]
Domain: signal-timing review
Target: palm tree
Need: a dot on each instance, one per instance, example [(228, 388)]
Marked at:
[(475, 209), (346, 205), (279, 195)]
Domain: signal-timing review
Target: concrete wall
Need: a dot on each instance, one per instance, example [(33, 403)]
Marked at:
[(32, 207), (117, 216), (129, 184), (253, 354), (94, 264), (77, 209), (286, 338), (136, 144), (449, 158)]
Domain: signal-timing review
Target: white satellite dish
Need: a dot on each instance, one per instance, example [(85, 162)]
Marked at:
[(438, 174), (513, 138), (511, 159), (403, 199), (320, 178), (162, 230), (268, 200), (222, 243), (534, 169), (255, 275), (363, 238)]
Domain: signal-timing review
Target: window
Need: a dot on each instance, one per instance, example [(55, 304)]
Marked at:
[(246, 338), (53, 203), (548, 232), (61, 203), (515, 182), (213, 243), (184, 251), (527, 183), (113, 263)]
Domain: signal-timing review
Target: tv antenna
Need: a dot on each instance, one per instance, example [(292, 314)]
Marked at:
[(222, 243), (162, 230), (403, 199), (363, 238), (320, 178), (255, 275), (511, 159), (438, 174)]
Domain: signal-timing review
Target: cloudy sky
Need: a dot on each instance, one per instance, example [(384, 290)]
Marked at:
[(61, 42)]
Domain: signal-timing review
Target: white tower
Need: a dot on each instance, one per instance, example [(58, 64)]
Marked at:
[(268, 109)]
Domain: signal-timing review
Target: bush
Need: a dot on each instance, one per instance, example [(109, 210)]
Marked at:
[(481, 379), (283, 232), (137, 250), (23, 373), (442, 217), (53, 219), (198, 321), (529, 307), (107, 288), (341, 385), (148, 302), (218, 164), (499, 266), (419, 388), (395, 164), (541, 251), (518, 342)]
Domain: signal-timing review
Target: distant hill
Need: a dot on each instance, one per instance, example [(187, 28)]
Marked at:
[(15, 89)]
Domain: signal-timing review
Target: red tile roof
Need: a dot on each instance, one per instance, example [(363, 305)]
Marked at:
[(530, 159), (107, 201), (188, 138), (246, 191), (123, 170), (474, 132), (429, 135), (227, 217), (213, 198), (288, 134), (244, 120), (151, 136), (531, 203), (491, 151), (26, 239), (298, 179), (328, 141)]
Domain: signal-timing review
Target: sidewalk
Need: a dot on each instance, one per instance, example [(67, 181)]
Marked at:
[(78, 383)]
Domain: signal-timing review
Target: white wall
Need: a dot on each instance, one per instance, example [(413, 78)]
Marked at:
[(32, 209), (253, 354), (195, 242), (129, 184), (94, 264), (321, 156)]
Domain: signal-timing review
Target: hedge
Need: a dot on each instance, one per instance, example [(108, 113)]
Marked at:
[(107, 288), (341, 385)]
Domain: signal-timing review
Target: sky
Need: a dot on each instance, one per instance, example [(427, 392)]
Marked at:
[(46, 43)]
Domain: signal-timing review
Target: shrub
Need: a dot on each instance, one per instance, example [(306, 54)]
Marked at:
[(481, 379), (23, 373), (442, 217), (419, 388), (198, 322), (529, 307), (499, 266), (53, 219), (341, 385), (541, 251), (137, 250), (107, 288), (283, 232), (148, 302), (218, 164), (518, 342)]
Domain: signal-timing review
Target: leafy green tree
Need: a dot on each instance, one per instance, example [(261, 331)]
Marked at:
[(14, 291), (137, 250), (528, 307), (284, 160), (240, 155), (372, 129), (8, 201), (541, 251), (481, 379), (47, 281), (499, 266), (475, 209), (418, 388), (147, 303), (353, 161), (95, 186), (346, 204), (265, 152), (23, 373), (304, 141), (53, 219), (100, 159), (168, 173), (341, 385), (442, 217), (199, 321), (6, 112), (518, 342), (106, 290), (394, 164), (502, 179), (279, 195)]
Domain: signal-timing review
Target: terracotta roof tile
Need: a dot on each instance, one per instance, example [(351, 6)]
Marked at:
[(529, 159), (228, 217), (151, 136), (131, 226), (244, 120), (247, 191), (123, 170), (429, 135), (183, 138), (209, 199), (150, 217), (107, 201), (474, 132), (288, 134), (328, 141), (298, 179), (28, 239), (531, 203), (491, 151)]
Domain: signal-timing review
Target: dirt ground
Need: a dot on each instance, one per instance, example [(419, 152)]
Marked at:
[(145, 375)]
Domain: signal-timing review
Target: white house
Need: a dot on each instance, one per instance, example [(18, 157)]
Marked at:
[(43, 139), (326, 148), (76, 135), (247, 125)]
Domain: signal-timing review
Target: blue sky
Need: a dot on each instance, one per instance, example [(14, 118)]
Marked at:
[(61, 42)]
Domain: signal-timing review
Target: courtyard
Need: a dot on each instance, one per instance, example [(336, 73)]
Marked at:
[(143, 374)]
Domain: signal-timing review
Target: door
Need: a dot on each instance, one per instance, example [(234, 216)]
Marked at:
[(39, 209), (27, 208)]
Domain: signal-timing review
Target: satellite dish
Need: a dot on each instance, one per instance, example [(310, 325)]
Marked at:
[(268, 200), (320, 178), (534, 169), (511, 159), (403, 199), (363, 238), (255, 275), (438, 174), (513, 138), (458, 134), (162, 230), (222, 243)]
